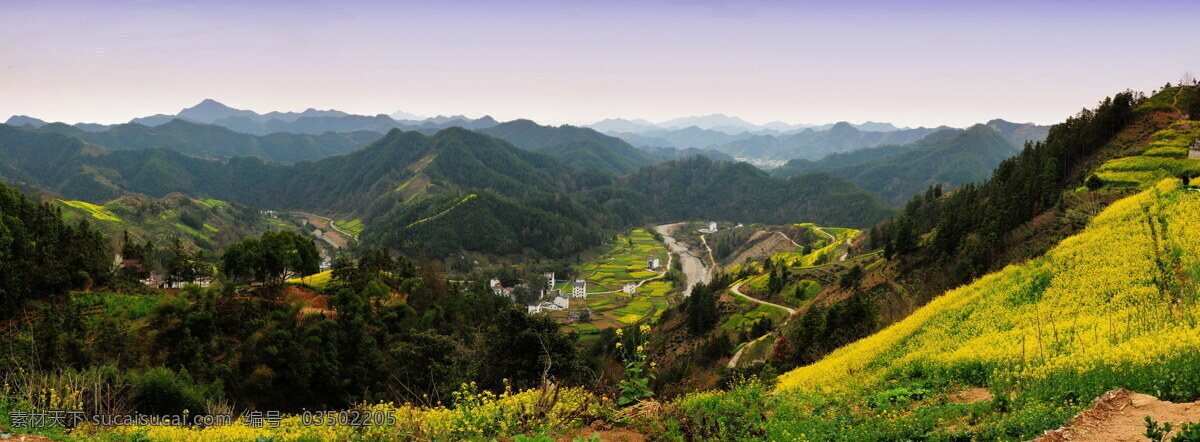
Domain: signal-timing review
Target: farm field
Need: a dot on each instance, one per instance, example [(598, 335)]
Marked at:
[(199, 224), (1049, 334), (1166, 157), (624, 263)]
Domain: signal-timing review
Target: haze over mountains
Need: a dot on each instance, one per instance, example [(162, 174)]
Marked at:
[(731, 136), (447, 184)]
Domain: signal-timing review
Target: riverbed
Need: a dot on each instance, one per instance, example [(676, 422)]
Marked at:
[(694, 270)]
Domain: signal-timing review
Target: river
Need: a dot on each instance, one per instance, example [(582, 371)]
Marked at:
[(694, 270)]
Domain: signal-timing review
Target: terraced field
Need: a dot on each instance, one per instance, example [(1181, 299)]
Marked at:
[(200, 224), (608, 274), (1166, 157)]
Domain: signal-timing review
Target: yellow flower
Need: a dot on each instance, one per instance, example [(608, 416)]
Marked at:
[(619, 345)]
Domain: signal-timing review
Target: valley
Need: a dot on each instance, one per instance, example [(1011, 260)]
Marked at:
[(915, 283)]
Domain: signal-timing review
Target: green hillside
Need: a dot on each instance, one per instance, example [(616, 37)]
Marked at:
[(1043, 338), (577, 146), (530, 202), (699, 188), (947, 157), (199, 224)]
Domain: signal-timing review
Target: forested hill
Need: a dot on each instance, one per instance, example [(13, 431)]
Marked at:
[(950, 157), (699, 188), (407, 182), (842, 137), (577, 146), (210, 141)]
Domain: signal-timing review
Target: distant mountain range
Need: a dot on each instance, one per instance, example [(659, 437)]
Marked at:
[(947, 156), (717, 136), (780, 141), (310, 121), (213, 130), (453, 191), (447, 184), (216, 142)]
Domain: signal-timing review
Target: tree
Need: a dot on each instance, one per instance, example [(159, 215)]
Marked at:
[(183, 266), (272, 259), (136, 259), (851, 278), (1094, 182)]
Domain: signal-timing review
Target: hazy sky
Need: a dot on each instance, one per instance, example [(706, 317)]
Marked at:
[(910, 63)]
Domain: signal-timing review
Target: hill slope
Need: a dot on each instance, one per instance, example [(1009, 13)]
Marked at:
[(1068, 325), (699, 188), (950, 157), (577, 146)]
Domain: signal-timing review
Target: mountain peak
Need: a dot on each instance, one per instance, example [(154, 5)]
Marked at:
[(211, 110)]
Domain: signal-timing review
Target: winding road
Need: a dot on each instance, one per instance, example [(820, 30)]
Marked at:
[(794, 242), (736, 289), (331, 224)]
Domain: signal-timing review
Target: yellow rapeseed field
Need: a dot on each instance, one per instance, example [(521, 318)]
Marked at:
[(1119, 294)]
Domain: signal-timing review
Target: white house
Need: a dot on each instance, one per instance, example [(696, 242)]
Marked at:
[(159, 281), (652, 263), (562, 303), (629, 288), (579, 289), (494, 284), (712, 227), (549, 280)]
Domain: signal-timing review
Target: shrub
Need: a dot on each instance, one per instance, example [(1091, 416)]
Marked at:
[(163, 391)]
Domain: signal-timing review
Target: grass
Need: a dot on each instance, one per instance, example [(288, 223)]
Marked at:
[(761, 312), (116, 304)]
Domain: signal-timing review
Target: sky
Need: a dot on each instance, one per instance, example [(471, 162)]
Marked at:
[(912, 63)]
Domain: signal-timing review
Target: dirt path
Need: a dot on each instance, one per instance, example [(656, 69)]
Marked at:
[(790, 240), (846, 254), (1118, 416), (736, 289), (1175, 101), (738, 356), (330, 223), (711, 260)]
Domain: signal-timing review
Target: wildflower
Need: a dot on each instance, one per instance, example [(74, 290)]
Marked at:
[(619, 345), (620, 332)]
